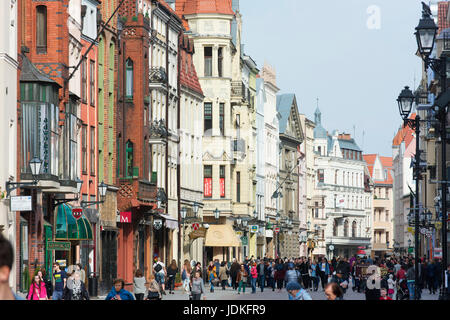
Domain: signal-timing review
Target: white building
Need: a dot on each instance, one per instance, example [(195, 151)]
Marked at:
[(343, 217), (8, 117), (271, 140)]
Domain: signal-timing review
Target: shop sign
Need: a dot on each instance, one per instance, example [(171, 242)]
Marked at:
[(244, 241), (254, 229), (62, 263), (157, 224), (199, 233), (207, 187), (195, 226), (21, 203), (277, 230), (58, 246), (125, 217), (77, 213), (437, 253)]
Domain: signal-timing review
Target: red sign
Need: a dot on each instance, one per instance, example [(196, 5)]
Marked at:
[(277, 230), (222, 187), (125, 217), (77, 213), (195, 226), (207, 187)]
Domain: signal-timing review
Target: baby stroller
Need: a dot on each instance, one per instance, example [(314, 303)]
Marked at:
[(402, 290)]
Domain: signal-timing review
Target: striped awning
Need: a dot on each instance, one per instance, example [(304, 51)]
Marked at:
[(69, 228)]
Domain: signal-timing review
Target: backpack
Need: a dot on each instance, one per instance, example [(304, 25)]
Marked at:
[(158, 267)]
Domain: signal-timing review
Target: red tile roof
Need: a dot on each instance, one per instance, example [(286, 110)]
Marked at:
[(204, 6), (188, 74), (405, 134), (386, 162), (442, 16)]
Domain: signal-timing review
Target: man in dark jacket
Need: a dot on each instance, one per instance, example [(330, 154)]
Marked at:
[(234, 270), (304, 271), (262, 271)]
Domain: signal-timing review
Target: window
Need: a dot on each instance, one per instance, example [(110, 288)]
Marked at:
[(207, 181), (320, 150), (387, 215), (336, 177), (92, 82), (238, 187), (208, 118), (129, 159), (320, 175), (129, 79), (222, 118), (222, 181), (354, 229), (84, 81), (118, 156), (238, 126), (92, 150), (220, 61), (41, 29), (84, 149), (208, 61), (346, 228), (316, 210)]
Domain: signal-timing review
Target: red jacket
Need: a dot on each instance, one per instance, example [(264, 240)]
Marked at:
[(35, 293)]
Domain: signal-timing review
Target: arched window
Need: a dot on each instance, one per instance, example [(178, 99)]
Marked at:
[(346, 228), (129, 78), (354, 229), (129, 159), (41, 29)]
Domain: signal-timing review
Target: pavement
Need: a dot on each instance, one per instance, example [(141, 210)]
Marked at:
[(230, 295)]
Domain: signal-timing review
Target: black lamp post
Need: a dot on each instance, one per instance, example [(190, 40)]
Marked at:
[(426, 33), (405, 102), (35, 166), (102, 188)]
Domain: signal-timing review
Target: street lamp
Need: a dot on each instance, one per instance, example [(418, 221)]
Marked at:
[(426, 32), (405, 102), (35, 166), (217, 214), (195, 208), (183, 213), (102, 188)]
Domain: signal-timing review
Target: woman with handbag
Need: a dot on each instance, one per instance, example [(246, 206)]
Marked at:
[(75, 288), (139, 285), (37, 289), (154, 292), (172, 271), (254, 276), (242, 279), (223, 276), (212, 276)]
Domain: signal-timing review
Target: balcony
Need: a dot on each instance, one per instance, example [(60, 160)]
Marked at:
[(237, 92), (158, 132), (134, 192), (349, 241), (158, 78)]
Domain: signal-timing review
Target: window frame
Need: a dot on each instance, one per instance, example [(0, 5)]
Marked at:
[(41, 48)]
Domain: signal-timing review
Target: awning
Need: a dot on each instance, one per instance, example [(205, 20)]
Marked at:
[(171, 222), (221, 235), (69, 228)]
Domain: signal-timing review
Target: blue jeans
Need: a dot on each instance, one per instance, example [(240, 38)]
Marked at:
[(159, 277), (410, 284), (211, 277), (254, 285), (57, 295), (261, 280)]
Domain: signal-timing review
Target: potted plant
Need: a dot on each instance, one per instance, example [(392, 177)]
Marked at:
[(178, 282)]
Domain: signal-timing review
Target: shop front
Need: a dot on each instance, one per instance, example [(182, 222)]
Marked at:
[(220, 242)]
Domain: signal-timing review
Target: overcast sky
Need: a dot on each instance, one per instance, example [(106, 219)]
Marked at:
[(354, 55)]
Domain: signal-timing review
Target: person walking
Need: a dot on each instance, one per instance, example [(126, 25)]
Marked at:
[(37, 289), (296, 292), (391, 285), (410, 280), (118, 291), (212, 275), (172, 271), (139, 285), (262, 270), (234, 270), (254, 276), (75, 288), (160, 272), (279, 274), (271, 275), (6, 264), (223, 277), (292, 275), (186, 276), (324, 268), (60, 278), (154, 289), (314, 275), (197, 286), (242, 279), (304, 271)]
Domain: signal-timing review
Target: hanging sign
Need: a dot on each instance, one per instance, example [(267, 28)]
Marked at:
[(125, 217), (222, 187), (207, 187), (77, 213), (195, 226), (253, 229), (157, 224), (21, 203), (277, 230)]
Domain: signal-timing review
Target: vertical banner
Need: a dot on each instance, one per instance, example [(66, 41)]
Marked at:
[(207, 187), (222, 187)]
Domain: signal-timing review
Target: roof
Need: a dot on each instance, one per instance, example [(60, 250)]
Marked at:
[(405, 134), (348, 144), (319, 131), (29, 73), (188, 77), (184, 7), (386, 163), (284, 105)]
